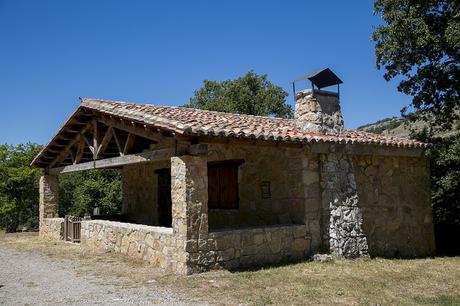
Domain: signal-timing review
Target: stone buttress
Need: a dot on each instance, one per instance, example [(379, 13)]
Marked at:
[(343, 230)]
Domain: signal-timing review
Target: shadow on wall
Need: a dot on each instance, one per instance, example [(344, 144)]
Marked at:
[(394, 195)]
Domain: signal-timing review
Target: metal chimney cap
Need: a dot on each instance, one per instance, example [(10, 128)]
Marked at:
[(322, 78)]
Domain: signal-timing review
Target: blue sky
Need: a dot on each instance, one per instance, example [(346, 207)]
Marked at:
[(52, 52)]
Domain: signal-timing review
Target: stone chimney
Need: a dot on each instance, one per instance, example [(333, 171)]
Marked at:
[(318, 111)]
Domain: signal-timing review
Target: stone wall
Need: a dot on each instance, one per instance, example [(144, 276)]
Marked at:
[(340, 199), (156, 245), (52, 229), (284, 168), (139, 185), (394, 195), (228, 248), (313, 208), (232, 248)]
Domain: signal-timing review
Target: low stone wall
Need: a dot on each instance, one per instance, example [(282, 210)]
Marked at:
[(52, 229), (156, 245), (227, 248), (232, 248)]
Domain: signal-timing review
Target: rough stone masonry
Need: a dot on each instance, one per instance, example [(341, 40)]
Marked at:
[(332, 192), (319, 111), (346, 236)]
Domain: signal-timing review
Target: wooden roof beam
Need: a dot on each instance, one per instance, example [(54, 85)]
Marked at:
[(66, 151), (140, 129), (156, 155), (104, 143)]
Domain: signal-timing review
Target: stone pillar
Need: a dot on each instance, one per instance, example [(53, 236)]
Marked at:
[(342, 226), (189, 193), (49, 197)]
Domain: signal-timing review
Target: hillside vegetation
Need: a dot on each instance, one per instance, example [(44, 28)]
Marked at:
[(402, 127)]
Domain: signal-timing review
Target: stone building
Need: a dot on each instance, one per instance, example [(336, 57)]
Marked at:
[(205, 189)]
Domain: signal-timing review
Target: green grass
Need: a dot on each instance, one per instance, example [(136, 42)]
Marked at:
[(431, 281)]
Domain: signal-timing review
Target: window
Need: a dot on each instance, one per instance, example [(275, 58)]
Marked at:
[(223, 184)]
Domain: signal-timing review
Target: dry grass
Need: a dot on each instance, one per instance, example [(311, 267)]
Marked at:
[(357, 282)]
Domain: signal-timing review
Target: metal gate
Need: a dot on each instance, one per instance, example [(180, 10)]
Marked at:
[(72, 229)]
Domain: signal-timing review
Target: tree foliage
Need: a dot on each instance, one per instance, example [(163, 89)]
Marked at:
[(420, 44), (18, 187), (80, 192), (251, 94), (444, 155)]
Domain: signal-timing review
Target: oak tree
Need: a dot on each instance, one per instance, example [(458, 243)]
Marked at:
[(419, 44), (250, 94)]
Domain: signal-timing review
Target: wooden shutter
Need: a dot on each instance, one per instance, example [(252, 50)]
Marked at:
[(223, 187), (228, 187), (213, 188)]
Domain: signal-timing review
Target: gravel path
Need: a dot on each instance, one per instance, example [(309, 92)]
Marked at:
[(28, 278)]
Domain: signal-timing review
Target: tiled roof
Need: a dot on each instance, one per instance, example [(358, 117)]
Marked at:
[(208, 123)]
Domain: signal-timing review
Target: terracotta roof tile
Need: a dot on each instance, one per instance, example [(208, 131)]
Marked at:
[(208, 123)]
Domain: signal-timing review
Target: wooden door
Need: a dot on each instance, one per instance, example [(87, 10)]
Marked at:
[(164, 197)]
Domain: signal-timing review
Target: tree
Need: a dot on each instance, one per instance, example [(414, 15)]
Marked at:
[(420, 44), (18, 187), (80, 192), (251, 94), (444, 155)]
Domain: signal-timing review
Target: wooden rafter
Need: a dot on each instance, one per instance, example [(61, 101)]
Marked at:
[(88, 143), (96, 138), (80, 150), (99, 143), (70, 130), (53, 151), (73, 155), (134, 128), (129, 143), (65, 152), (120, 146), (104, 143)]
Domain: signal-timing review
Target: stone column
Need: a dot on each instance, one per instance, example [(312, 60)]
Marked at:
[(49, 197), (189, 193), (342, 226)]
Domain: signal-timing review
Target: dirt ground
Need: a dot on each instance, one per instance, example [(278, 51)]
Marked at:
[(34, 272)]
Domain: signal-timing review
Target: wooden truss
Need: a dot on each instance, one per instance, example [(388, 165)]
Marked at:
[(107, 142)]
